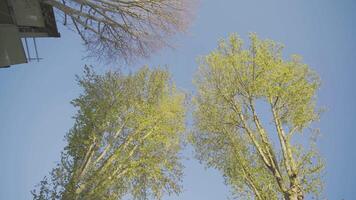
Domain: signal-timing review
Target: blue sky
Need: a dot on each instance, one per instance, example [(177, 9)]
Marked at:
[(35, 112)]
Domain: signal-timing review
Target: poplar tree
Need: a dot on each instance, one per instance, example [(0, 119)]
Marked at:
[(125, 141), (253, 113)]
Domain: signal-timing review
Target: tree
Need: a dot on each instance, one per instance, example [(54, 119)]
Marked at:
[(125, 140), (124, 29), (239, 92)]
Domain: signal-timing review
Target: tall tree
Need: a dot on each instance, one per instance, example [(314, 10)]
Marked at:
[(124, 29), (260, 160), (125, 141)]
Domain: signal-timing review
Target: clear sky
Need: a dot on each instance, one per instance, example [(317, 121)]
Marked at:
[(35, 112)]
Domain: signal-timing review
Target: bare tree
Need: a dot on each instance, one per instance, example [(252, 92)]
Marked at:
[(124, 29)]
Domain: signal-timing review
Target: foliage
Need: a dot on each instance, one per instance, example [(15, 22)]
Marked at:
[(229, 134), (125, 141)]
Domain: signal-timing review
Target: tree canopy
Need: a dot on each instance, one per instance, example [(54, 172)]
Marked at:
[(258, 161), (125, 141), (253, 120), (124, 29)]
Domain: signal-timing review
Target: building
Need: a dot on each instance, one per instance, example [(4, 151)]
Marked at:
[(21, 20)]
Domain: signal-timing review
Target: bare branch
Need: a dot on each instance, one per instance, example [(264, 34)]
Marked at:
[(140, 27)]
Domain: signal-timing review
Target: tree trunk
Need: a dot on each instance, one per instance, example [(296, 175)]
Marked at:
[(294, 194)]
